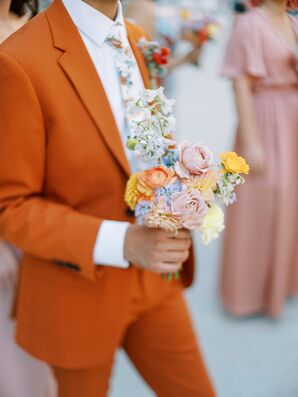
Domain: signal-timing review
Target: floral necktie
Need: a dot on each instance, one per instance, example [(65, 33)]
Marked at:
[(126, 64), (128, 71)]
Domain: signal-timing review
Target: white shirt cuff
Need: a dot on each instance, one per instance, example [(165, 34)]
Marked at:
[(109, 245)]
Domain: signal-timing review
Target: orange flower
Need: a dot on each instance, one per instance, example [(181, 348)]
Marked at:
[(154, 178)]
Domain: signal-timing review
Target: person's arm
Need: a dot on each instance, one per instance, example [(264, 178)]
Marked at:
[(40, 227), (49, 230), (248, 128), (190, 58)]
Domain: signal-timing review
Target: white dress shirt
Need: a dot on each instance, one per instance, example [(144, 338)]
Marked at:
[(94, 27)]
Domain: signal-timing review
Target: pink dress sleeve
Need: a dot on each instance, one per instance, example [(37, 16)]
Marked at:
[(245, 54)]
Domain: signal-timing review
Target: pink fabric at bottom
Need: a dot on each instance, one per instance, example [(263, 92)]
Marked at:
[(20, 374)]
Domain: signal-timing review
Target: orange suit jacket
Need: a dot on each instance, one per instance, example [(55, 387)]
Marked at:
[(62, 171)]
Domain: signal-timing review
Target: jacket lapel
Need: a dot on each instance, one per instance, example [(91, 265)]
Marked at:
[(78, 66), (81, 72), (139, 56)]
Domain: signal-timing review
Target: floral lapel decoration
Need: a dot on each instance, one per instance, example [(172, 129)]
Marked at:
[(156, 58)]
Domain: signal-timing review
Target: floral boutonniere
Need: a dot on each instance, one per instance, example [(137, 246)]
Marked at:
[(156, 58)]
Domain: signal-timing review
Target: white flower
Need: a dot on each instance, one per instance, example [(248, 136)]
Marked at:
[(226, 187), (147, 115), (150, 95), (160, 93), (167, 106), (213, 224), (171, 123), (151, 123)]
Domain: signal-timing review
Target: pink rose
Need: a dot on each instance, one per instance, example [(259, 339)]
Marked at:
[(190, 207), (193, 160)]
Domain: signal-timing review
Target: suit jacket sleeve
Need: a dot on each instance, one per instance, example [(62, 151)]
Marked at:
[(38, 226)]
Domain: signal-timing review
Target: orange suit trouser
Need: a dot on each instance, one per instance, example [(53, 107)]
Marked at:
[(160, 341)]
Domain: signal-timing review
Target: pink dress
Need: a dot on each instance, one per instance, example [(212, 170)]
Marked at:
[(20, 374), (260, 260)]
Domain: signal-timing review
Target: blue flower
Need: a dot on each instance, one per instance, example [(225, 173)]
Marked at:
[(171, 158), (142, 208), (168, 190)]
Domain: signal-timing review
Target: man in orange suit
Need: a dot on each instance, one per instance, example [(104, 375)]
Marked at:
[(90, 279)]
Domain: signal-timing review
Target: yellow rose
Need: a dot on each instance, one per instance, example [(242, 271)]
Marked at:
[(233, 163), (131, 192)]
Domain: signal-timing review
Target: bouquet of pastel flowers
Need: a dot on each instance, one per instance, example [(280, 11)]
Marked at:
[(176, 186), (199, 31)]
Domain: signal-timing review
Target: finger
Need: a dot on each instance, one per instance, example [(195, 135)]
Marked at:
[(171, 245), (177, 245), (176, 256), (170, 256), (166, 267), (181, 235), (181, 245)]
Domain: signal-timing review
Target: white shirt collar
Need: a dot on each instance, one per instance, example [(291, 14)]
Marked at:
[(91, 22)]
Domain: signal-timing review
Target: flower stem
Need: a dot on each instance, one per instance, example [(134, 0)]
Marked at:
[(171, 276)]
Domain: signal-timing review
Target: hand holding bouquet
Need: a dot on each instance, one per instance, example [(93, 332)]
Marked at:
[(176, 187)]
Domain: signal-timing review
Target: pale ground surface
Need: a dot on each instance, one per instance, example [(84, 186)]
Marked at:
[(255, 357)]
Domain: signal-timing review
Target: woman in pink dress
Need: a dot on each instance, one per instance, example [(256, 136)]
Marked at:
[(260, 260), (20, 375)]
